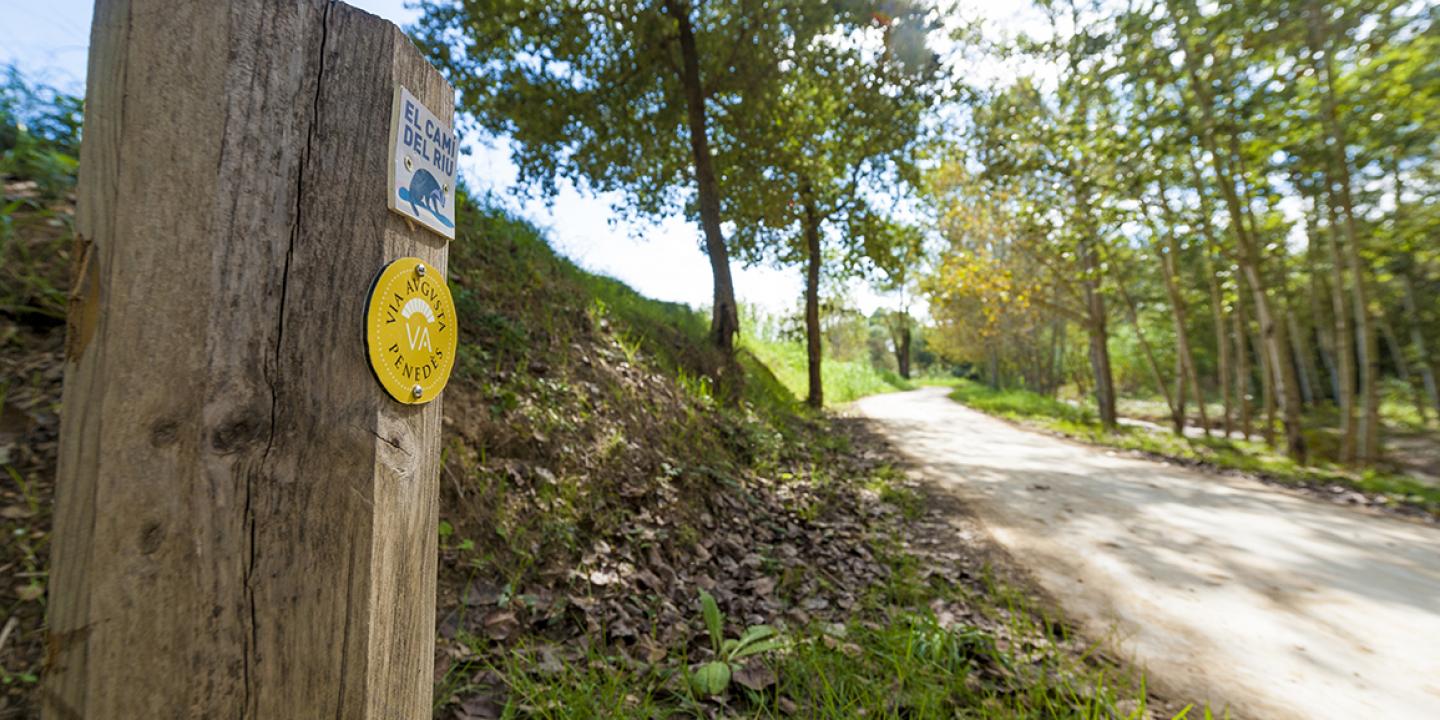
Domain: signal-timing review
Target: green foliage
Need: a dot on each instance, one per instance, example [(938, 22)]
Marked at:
[(592, 92), (843, 380), (39, 132), (39, 144), (1018, 403), (836, 142), (915, 668)]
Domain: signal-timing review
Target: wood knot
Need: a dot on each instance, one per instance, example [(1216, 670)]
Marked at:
[(151, 536), (236, 434), (164, 433)]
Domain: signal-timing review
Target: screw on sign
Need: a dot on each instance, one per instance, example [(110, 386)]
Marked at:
[(410, 332)]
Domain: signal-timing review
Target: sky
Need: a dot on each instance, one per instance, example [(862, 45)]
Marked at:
[(48, 40)]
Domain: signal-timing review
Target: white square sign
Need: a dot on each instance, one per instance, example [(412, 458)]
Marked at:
[(423, 151)]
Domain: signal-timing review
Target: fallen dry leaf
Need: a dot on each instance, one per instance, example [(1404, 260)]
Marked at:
[(501, 624), (755, 675)]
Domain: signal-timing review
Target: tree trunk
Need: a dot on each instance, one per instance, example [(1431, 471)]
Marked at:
[(816, 396), (1222, 345), (1324, 327), (1368, 442), (1217, 300), (898, 323), (902, 348), (1344, 341), (1304, 358), (1099, 338), (1169, 270), (1267, 386), (1242, 362), (725, 318), (1300, 351), (1275, 354), (1325, 332)]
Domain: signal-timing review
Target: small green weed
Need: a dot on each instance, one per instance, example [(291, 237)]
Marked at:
[(713, 678)]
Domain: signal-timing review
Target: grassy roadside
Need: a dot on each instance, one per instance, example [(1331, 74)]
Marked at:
[(843, 380), (1253, 457), (937, 635)]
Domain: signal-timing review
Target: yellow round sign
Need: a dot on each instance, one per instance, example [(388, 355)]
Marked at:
[(410, 332)]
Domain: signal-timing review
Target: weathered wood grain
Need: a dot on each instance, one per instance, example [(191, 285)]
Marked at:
[(245, 523)]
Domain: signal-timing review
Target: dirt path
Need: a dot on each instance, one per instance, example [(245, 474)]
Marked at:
[(1223, 589)]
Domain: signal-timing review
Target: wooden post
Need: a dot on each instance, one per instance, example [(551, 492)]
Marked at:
[(245, 522)]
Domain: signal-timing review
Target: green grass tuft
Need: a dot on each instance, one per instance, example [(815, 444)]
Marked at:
[(1017, 403)]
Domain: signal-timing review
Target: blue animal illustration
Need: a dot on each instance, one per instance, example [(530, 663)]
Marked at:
[(425, 191)]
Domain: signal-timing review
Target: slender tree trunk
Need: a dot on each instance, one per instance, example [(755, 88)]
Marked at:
[(1300, 351), (1169, 269), (725, 317), (1222, 343), (1275, 354), (1272, 332), (1325, 332), (1177, 411), (902, 349), (1368, 442), (1267, 387), (1324, 326), (1217, 299), (898, 323), (1099, 338), (1368, 343), (1304, 358), (1344, 341), (1104, 380), (1242, 362), (816, 397)]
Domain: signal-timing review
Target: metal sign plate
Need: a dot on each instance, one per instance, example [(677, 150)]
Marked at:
[(410, 332), (423, 152)]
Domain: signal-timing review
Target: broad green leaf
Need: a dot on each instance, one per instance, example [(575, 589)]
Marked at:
[(714, 621), (759, 647), (754, 633), (711, 679)]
